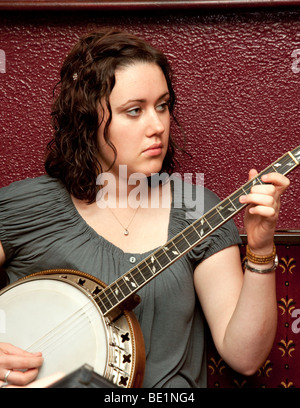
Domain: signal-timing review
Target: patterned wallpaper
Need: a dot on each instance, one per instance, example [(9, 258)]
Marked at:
[(237, 77)]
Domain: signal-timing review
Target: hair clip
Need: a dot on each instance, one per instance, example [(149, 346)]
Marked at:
[(75, 76)]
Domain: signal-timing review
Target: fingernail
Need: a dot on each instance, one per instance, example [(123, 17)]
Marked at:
[(242, 199)]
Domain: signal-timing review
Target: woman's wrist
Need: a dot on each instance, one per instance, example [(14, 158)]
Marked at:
[(261, 268), (261, 263), (265, 256)]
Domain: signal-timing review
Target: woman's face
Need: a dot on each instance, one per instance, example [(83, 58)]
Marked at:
[(140, 123)]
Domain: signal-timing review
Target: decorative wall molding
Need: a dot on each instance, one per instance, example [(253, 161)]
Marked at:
[(139, 4)]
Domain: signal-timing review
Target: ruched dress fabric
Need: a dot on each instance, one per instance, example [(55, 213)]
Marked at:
[(41, 229)]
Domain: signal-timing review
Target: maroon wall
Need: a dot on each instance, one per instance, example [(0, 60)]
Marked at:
[(236, 79)]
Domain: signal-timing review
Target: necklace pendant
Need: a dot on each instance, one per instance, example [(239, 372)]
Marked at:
[(126, 232)]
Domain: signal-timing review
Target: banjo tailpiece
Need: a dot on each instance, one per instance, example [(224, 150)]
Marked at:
[(84, 377)]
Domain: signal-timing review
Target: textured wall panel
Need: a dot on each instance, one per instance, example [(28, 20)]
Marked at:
[(238, 96)]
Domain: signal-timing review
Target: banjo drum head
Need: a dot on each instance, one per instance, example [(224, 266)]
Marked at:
[(58, 319)]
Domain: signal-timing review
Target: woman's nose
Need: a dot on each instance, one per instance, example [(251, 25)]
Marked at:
[(155, 124)]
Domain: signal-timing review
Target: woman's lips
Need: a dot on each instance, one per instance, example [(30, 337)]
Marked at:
[(153, 150)]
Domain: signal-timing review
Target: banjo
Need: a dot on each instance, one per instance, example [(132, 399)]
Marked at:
[(75, 319)]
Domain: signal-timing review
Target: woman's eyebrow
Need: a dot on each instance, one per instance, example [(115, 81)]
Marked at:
[(141, 100), (131, 101)]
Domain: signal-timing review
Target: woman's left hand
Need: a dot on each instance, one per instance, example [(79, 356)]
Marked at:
[(262, 212)]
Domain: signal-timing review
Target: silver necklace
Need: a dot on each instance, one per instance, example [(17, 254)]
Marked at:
[(126, 231)]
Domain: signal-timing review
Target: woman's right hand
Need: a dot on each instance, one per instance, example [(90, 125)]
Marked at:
[(18, 367)]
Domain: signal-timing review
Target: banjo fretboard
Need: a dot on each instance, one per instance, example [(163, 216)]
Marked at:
[(133, 280)]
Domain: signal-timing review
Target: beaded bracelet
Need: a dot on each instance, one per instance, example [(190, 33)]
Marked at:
[(260, 259), (262, 271)]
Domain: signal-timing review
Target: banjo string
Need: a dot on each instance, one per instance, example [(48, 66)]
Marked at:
[(67, 328), (59, 333)]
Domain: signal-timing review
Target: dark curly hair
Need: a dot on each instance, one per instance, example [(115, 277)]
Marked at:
[(88, 75)]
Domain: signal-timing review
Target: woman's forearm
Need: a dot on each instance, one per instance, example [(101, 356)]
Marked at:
[(250, 333)]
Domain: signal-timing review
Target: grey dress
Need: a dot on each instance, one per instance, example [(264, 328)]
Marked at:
[(41, 229)]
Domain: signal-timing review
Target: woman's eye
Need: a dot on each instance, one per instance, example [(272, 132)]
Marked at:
[(133, 111), (162, 107)]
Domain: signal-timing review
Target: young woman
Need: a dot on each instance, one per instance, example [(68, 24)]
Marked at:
[(112, 120)]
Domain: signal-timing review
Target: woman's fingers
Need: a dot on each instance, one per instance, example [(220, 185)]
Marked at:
[(21, 378), (18, 366), (265, 195)]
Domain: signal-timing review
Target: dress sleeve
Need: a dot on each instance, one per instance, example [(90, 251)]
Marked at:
[(225, 236), (10, 200), (27, 213)]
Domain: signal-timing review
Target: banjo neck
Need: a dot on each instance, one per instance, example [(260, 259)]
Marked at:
[(124, 287)]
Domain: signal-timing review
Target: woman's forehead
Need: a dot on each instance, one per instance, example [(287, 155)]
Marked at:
[(138, 80)]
